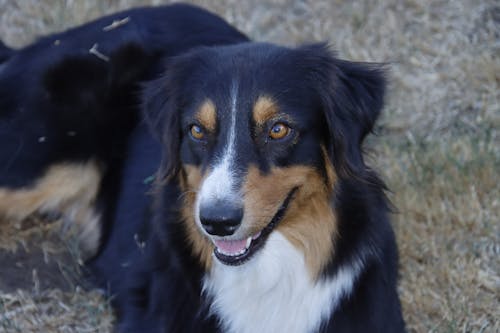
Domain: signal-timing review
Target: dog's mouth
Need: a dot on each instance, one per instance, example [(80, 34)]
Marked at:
[(237, 252)]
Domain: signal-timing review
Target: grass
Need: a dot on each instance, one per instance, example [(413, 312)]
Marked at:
[(55, 311), (447, 228), (438, 148)]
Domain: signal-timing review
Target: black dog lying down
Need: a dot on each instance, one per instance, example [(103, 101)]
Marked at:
[(237, 201), (70, 101)]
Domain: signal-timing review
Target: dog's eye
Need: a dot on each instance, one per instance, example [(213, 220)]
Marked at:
[(197, 132), (279, 131)]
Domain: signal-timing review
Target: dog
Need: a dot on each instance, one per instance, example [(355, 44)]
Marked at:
[(265, 217), (237, 199)]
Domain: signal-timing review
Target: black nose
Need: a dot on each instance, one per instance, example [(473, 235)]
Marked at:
[(221, 218)]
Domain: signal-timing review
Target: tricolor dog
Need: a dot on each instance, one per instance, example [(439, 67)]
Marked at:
[(241, 201)]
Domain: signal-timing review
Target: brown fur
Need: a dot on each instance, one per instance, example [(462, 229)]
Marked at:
[(207, 115), (69, 189), (264, 109), (201, 245), (331, 176), (309, 223)]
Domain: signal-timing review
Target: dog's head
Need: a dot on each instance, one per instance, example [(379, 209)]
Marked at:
[(257, 136)]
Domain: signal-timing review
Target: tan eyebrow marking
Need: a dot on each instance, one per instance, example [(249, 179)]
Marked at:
[(264, 109), (207, 115)]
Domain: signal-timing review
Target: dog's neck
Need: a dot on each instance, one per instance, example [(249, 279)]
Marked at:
[(274, 291)]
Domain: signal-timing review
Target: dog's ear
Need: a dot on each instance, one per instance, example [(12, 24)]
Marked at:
[(162, 102), (351, 96)]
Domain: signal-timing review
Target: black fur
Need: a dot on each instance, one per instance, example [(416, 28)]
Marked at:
[(59, 102), (341, 100), (145, 262), (5, 52)]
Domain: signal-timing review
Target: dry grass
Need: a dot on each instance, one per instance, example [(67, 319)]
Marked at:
[(448, 232), (55, 311), (439, 148)]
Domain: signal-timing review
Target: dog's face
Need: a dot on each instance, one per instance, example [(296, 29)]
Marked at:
[(257, 136)]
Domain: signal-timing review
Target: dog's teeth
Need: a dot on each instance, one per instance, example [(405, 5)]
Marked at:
[(226, 253), (241, 251), (257, 235), (249, 241)]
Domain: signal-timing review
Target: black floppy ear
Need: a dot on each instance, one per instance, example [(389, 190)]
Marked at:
[(160, 112), (162, 102), (351, 95)]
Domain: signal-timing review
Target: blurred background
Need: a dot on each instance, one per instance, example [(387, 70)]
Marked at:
[(437, 146)]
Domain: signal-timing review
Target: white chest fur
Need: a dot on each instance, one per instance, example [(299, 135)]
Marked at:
[(273, 292)]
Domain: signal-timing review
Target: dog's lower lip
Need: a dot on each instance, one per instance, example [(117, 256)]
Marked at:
[(241, 254)]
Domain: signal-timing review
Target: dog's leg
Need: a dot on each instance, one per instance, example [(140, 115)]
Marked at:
[(67, 189)]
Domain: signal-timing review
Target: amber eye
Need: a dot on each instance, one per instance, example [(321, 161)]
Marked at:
[(279, 131), (197, 132)]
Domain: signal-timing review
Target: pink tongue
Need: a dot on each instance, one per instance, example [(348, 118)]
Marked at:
[(231, 247)]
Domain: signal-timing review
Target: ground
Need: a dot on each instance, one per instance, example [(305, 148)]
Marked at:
[(437, 147)]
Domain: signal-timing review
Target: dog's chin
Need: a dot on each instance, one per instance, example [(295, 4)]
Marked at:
[(238, 252)]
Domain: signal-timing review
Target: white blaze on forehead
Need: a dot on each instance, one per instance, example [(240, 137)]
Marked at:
[(220, 183)]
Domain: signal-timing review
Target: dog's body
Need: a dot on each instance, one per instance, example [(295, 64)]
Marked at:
[(262, 215), (70, 101)]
